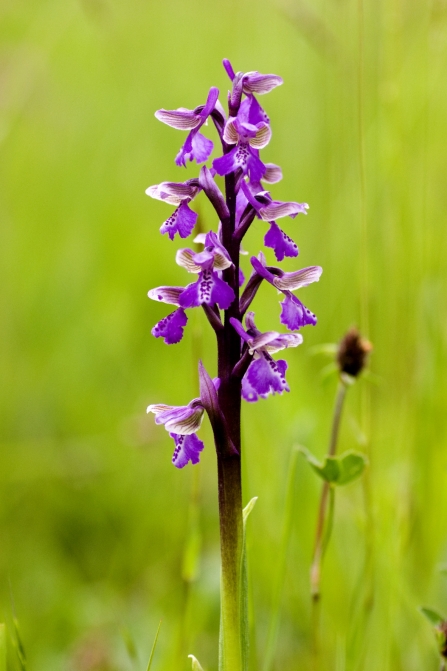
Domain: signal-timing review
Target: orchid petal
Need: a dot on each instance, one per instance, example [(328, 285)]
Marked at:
[(267, 376), (255, 82), (231, 135), (273, 173), (168, 295), (294, 314), (252, 111), (208, 289), (201, 148), (181, 221), (227, 163), (171, 327), (183, 419), (184, 258), (187, 448), (277, 209), (210, 104), (181, 118), (298, 279), (172, 192), (262, 137), (280, 242), (228, 68), (249, 393)]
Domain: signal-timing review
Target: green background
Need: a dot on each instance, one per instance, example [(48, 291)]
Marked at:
[(100, 536)]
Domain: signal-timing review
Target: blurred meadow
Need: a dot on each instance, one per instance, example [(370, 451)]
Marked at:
[(100, 537)]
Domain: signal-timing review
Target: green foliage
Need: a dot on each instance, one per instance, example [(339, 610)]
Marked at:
[(432, 616), (338, 470)]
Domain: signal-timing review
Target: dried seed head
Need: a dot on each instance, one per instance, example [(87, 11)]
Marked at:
[(352, 353)]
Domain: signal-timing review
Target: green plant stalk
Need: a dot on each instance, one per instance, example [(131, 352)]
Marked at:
[(233, 618), (324, 524)]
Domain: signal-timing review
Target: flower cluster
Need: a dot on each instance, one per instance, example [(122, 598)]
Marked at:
[(246, 363)]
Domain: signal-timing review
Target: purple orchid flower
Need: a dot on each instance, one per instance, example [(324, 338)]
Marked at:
[(183, 219), (269, 210), (182, 422), (294, 314), (249, 131), (196, 147), (210, 288), (170, 327), (264, 375)]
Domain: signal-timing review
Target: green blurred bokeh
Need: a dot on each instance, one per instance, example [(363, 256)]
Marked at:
[(94, 519)]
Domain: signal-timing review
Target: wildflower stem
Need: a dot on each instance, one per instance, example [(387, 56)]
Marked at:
[(229, 465), (323, 526), (231, 539)]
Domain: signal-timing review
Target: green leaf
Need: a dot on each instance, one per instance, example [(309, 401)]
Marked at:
[(153, 648), (328, 470), (432, 616), (247, 510), (339, 470), (245, 636), (352, 464), (195, 663)]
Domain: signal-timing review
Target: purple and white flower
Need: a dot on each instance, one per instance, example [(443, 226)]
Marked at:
[(196, 147), (170, 327), (269, 210), (294, 314), (264, 375), (183, 219), (182, 422), (210, 288), (249, 131)]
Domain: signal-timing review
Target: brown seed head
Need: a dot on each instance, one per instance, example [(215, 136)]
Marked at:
[(352, 353)]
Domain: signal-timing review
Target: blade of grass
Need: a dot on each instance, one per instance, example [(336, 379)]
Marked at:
[(153, 648)]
